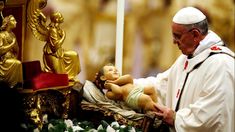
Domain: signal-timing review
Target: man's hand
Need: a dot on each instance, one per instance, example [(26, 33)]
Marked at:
[(167, 114)]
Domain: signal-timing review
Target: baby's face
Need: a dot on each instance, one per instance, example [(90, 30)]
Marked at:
[(111, 73)]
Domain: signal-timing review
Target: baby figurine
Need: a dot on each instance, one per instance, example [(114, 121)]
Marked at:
[(121, 88)]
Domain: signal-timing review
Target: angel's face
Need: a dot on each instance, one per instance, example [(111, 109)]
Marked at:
[(61, 19), (57, 17), (12, 22)]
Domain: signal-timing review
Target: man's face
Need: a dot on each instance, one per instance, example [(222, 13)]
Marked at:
[(110, 73), (184, 38)]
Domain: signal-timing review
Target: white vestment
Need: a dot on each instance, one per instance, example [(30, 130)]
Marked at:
[(207, 99)]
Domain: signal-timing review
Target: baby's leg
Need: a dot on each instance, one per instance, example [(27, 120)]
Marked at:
[(111, 95), (150, 91), (145, 102)]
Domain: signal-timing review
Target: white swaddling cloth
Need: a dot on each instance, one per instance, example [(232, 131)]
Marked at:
[(133, 97)]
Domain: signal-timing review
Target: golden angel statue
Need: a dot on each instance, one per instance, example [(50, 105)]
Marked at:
[(55, 58), (10, 66)]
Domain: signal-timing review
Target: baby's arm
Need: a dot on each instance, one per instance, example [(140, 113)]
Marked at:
[(125, 79), (114, 91)]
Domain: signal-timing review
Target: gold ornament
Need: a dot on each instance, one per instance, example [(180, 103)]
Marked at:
[(10, 66), (55, 58)]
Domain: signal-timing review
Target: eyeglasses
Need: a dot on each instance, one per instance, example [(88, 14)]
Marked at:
[(179, 36)]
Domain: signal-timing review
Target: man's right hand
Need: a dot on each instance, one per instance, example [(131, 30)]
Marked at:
[(167, 114)]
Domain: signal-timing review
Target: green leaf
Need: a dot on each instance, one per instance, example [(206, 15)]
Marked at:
[(104, 124), (70, 129)]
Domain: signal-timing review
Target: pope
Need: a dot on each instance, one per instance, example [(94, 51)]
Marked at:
[(197, 91)]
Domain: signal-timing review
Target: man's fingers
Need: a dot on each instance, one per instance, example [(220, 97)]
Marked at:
[(159, 115), (159, 107)]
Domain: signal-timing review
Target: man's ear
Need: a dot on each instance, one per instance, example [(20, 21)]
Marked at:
[(103, 78), (196, 33)]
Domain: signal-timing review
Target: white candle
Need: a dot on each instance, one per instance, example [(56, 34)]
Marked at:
[(119, 35)]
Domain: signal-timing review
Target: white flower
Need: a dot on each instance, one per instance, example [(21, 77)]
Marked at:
[(122, 126), (44, 119), (23, 126), (132, 129), (50, 126), (114, 124), (77, 128), (68, 123), (110, 129), (36, 130), (100, 127)]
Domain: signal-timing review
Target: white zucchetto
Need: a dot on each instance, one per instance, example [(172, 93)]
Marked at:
[(188, 15)]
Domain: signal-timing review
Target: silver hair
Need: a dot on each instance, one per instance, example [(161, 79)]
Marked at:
[(201, 26)]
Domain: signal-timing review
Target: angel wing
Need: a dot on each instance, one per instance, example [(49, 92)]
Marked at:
[(37, 21)]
